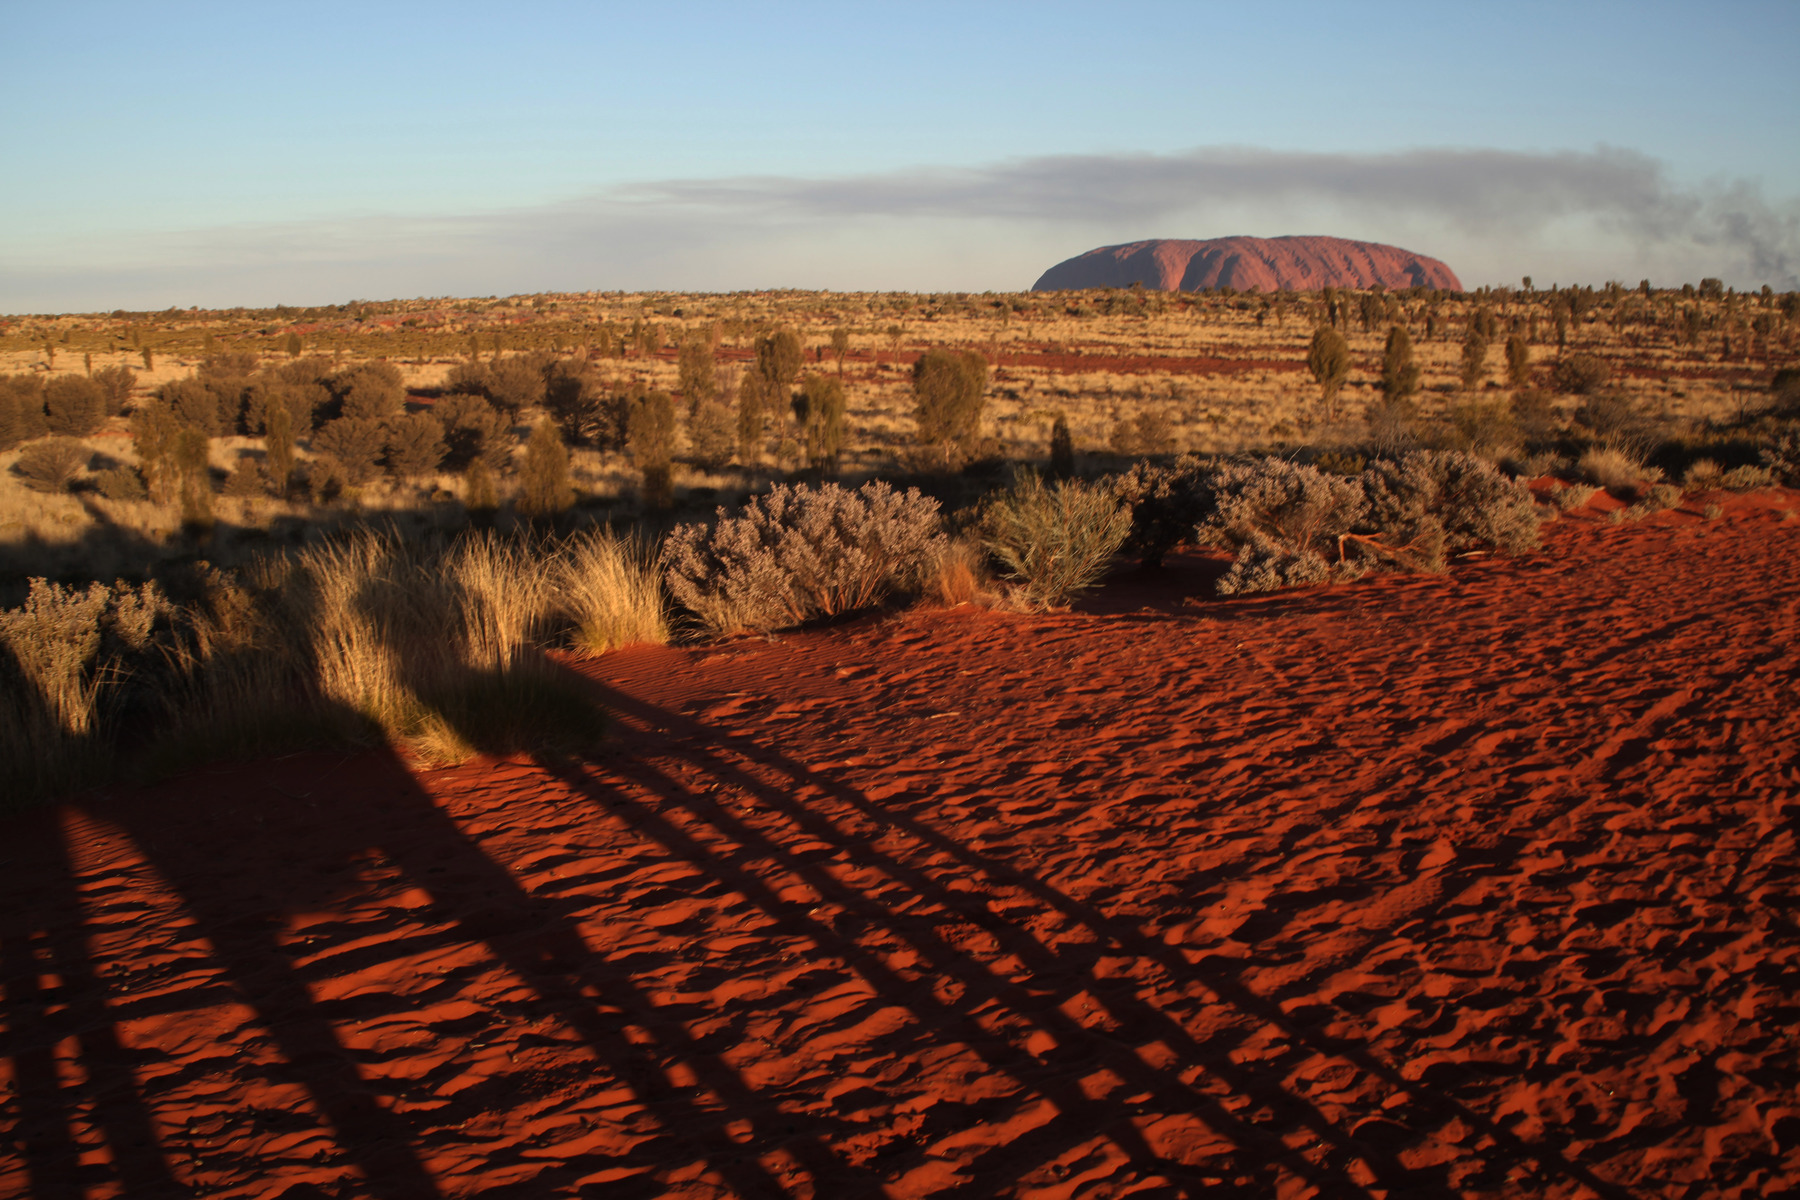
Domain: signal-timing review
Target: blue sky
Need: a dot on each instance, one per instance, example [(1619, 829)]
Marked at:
[(213, 154)]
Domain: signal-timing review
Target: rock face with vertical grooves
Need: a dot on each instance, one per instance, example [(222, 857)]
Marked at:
[(1249, 263)]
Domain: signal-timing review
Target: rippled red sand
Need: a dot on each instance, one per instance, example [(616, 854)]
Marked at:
[(1475, 885)]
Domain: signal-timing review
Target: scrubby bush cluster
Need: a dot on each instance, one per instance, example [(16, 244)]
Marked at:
[(1293, 523), (798, 553)]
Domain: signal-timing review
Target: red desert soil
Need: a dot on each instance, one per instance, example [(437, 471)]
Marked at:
[(1475, 885), (1265, 264)]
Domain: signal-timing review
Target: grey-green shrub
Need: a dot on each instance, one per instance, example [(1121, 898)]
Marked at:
[(1055, 539), (1265, 565), (801, 552), (63, 649), (1167, 502), (1465, 496), (1746, 479), (1293, 504), (1782, 457)]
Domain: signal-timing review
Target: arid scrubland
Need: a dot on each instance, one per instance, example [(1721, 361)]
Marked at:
[(219, 464)]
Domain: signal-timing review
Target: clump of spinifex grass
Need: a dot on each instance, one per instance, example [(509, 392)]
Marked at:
[(437, 649), (610, 590)]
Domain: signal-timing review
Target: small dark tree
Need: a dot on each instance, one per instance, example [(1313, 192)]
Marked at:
[(750, 417), (228, 378), (192, 404), (698, 379), (52, 464), (1399, 373), (278, 449), (473, 429), (651, 439), (117, 383), (294, 345), (1062, 449), (1518, 361), (778, 358), (1474, 358), (713, 434), (479, 494), (819, 408), (371, 391), (191, 460), (584, 409), (354, 444), (1329, 361), (949, 392), (471, 379), (75, 405), (415, 445), (544, 490), (1582, 374), (156, 431), (518, 381), (840, 346), (21, 410)]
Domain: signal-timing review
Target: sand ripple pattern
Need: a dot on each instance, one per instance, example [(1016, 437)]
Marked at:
[(1469, 886)]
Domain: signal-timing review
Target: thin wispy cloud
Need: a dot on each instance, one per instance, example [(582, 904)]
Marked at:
[(1491, 214)]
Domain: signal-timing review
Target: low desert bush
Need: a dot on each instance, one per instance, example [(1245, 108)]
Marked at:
[(116, 385), (1487, 430), (1290, 504), (1266, 565), (1746, 479), (75, 405), (610, 590), (354, 444), (1167, 504), (21, 410), (1702, 474), (122, 483), (1612, 468), (1462, 498), (798, 553), (1581, 374), (1055, 539), (1614, 422), (958, 575), (52, 464), (1661, 496), (61, 653), (1574, 496), (1782, 458)]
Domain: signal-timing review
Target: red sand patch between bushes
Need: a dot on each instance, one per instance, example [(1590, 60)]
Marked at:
[(1476, 885)]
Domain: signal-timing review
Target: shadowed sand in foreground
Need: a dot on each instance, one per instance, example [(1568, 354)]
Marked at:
[(1467, 885)]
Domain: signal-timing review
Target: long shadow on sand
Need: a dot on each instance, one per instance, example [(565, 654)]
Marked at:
[(250, 855), (1265, 1145)]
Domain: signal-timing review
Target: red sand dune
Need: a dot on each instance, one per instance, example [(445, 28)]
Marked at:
[(1473, 885), (1245, 263)]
